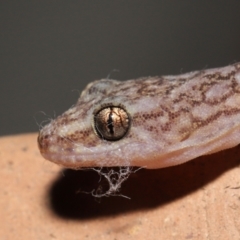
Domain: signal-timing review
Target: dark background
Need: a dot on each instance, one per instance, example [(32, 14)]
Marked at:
[(49, 50)]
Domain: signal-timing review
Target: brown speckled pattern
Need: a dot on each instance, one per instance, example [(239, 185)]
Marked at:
[(169, 115)]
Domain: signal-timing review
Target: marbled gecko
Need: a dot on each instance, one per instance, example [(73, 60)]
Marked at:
[(151, 122)]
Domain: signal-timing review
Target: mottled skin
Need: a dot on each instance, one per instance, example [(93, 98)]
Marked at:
[(173, 119)]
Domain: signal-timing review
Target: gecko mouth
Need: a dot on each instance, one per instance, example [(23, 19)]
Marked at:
[(69, 161), (69, 154)]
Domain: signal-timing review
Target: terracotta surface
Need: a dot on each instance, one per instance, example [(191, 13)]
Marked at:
[(39, 200)]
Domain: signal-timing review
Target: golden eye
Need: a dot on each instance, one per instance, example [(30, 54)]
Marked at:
[(111, 123)]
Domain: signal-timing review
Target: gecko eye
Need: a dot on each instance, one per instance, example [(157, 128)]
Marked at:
[(111, 123)]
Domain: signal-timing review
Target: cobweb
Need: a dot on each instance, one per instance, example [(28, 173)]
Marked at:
[(111, 180)]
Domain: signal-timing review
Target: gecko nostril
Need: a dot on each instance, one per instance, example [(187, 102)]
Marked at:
[(111, 123)]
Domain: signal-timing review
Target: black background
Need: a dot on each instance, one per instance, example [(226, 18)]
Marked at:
[(50, 50)]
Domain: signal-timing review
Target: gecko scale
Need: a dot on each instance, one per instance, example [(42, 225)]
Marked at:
[(151, 122)]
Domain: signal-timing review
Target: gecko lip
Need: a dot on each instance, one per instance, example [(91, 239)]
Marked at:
[(67, 161), (43, 143), (66, 153), (46, 145)]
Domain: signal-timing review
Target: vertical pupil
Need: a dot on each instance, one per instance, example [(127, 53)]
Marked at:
[(110, 123)]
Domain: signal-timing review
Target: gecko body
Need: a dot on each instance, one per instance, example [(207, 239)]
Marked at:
[(163, 121)]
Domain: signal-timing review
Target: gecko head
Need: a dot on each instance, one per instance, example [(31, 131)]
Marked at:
[(150, 122), (94, 132)]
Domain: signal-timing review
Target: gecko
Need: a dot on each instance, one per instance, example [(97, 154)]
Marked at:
[(149, 122)]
